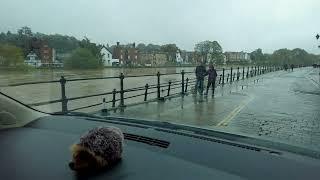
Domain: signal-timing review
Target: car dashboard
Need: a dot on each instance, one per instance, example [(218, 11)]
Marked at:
[(40, 150)]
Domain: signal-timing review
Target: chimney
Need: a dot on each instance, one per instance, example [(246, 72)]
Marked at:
[(134, 45), (118, 43)]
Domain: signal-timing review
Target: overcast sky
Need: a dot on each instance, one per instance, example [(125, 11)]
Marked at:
[(236, 24)]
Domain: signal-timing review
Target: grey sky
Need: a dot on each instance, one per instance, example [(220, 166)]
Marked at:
[(236, 24)]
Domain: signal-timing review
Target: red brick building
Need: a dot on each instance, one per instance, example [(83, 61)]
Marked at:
[(126, 54), (46, 54), (42, 50)]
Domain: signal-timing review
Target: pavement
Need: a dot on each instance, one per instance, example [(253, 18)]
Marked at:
[(283, 106)]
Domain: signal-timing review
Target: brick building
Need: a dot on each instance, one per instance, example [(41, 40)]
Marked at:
[(153, 58), (237, 57), (126, 54)]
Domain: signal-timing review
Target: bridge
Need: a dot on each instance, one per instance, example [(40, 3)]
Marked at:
[(266, 102)]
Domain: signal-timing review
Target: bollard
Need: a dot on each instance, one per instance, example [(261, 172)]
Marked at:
[(248, 71), (64, 100), (104, 109), (158, 85), (186, 89), (114, 92), (121, 90), (220, 78), (146, 92), (169, 87), (182, 82), (231, 75), (223, 76)]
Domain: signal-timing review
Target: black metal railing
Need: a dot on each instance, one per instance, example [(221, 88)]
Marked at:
[(224, 76)]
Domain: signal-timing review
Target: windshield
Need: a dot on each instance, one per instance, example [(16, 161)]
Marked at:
[(243, 67)]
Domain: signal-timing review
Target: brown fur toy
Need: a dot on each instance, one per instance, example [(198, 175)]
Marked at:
[(99, 148)]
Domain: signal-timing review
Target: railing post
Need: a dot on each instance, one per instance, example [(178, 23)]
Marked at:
[(158, 85), (186, 89), (182, 82), (243, 72), (223, 76), (114, 92), (169, 87), (231, 75), (121, 90), (238, 75), (146, 92), (64, 100)]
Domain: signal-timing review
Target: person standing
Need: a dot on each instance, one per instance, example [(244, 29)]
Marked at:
[(200, 74), (212, 75)]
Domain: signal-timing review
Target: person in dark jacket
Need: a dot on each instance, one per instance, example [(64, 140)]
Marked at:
[(212, 75), (200, 74)]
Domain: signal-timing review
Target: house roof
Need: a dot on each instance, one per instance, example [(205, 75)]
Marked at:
[(106, 48)]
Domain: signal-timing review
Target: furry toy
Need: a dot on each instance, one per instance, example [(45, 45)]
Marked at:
[(98, 148)]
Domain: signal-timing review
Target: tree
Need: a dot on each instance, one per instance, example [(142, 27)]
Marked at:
[(170, 50), (210, 51), (93, 48), (257, 56), (10, 55), (82, 58), (25, 31)]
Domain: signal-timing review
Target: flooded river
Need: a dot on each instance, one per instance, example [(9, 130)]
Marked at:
[(36, 93)]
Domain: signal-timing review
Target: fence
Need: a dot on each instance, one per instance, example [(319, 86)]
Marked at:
[(224, 76)]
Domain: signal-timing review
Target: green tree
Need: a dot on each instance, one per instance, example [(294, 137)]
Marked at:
[(82, 58), (10, 55), (25, 31), (93, 48), (170, 50), (211, 51), (281, 56), (257, 56)]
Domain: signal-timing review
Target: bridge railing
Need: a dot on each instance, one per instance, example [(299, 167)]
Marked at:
[(165, 88)]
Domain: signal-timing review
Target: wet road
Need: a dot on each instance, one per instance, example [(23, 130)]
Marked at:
[(282, 106)]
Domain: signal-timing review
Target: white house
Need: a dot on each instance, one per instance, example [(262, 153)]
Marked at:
[(107, 56), (178, 57), (33, 60)]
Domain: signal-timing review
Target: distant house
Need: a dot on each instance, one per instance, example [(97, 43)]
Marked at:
[(40, 51), (178, 57), (237, 57), (152, 59), (106, 56), (33, 60), (126, 55)]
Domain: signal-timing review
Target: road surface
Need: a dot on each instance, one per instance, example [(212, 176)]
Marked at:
[(283, 106)]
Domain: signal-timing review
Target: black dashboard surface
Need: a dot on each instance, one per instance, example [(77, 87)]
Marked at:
[(40, 150)]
